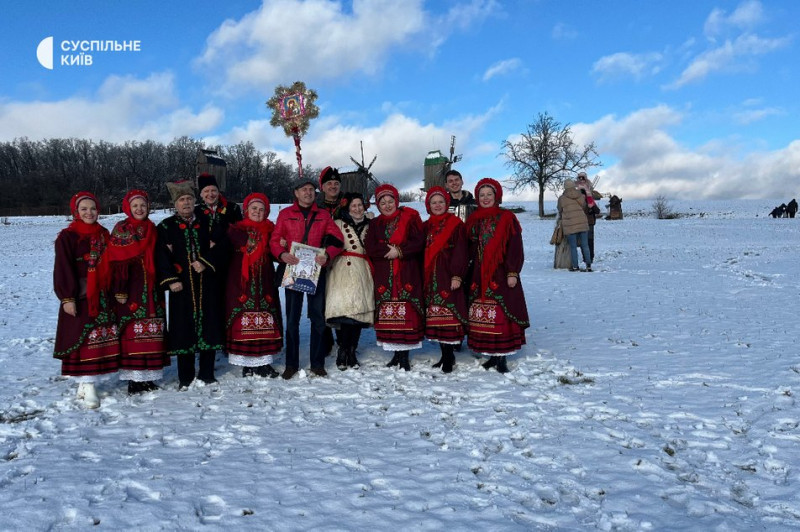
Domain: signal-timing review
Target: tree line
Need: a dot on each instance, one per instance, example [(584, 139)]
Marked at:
[(39, 177)]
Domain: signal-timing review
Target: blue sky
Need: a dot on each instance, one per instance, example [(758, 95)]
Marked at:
[(688, 98)]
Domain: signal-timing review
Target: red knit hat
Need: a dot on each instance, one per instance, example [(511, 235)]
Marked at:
[(256, 196), (386, 189), (76, 199), (494, 185), (433, 191), (129, 197)]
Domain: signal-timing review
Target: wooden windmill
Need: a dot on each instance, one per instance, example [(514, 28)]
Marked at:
[(361, 179), (437, 165)]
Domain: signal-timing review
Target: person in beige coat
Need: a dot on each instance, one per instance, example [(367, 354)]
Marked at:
[(572, 209), (350, 302)]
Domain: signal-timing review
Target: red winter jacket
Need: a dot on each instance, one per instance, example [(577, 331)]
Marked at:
[(291, 226)]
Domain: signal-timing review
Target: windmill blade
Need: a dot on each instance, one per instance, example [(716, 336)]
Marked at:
[(356, 163), (373, 162)]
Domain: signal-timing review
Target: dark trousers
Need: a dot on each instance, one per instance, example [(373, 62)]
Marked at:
[(349, 335), (591, 243), (186, 367), (316, 313)]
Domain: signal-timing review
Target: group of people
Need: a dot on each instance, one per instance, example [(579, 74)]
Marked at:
[(454, 275), (577, 216), (785, 210)]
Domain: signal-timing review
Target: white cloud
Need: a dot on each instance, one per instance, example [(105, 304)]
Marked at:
[(502, 68), (563, 31), (650, 162), (400, 143), (749, 116), (287, 40), (625, 65), (730, 56), (124, 108), (746, 16)]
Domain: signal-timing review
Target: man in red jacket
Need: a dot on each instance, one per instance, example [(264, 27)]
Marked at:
[(306, 223)]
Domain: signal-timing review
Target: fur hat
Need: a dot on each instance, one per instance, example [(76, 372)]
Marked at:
[(582, 175), (386, 190), (129, 197), (179, 189), (206, 180), (568, 184), (76, 199), (259, 197), (433, 191), (329, 174), (494, 185)]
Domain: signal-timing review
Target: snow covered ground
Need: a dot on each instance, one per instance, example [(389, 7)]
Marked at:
[(656, 393)]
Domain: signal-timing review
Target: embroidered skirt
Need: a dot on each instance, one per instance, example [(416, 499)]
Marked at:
[(254, 334), (442, 325), (143, 345), (97, 355), (490, 330), (398, 322)]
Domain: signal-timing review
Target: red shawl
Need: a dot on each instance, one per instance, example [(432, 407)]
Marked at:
[(98, 275), (408, 217), (256, 251), (495, 251), (438, 228)]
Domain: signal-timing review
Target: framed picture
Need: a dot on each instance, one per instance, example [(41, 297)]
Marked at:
[(304, 275)]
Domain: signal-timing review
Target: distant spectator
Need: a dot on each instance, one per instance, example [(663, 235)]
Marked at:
[(791, 208), (592, 210), (572, 209)]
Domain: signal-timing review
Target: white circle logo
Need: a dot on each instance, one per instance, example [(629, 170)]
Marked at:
[(44, 53)]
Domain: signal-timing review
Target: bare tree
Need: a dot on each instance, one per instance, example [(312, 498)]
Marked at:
[(545, 156)]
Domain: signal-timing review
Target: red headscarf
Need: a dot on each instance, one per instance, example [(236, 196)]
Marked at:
[(98, 276), (385, 189), (438, 228), (256, 251), (495, 251), (132, 238)]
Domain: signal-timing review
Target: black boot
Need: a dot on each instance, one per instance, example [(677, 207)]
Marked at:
[(341, 358), (501, 365), (248, 372), (395, 360), (352, 361), (150, 386), (448, 358), (135, 388), (441, 360), (266, 371), (492, 362), (403, 362)]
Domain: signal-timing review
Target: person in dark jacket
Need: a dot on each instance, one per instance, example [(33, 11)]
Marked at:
[(186, 263)]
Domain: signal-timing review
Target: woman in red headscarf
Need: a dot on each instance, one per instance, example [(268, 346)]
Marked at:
[(252, 305), (395, 243), (445, 267), (498, 314), (140, 306), (86, 336)]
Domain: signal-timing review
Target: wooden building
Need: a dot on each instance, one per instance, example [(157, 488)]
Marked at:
[(209, 162)]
